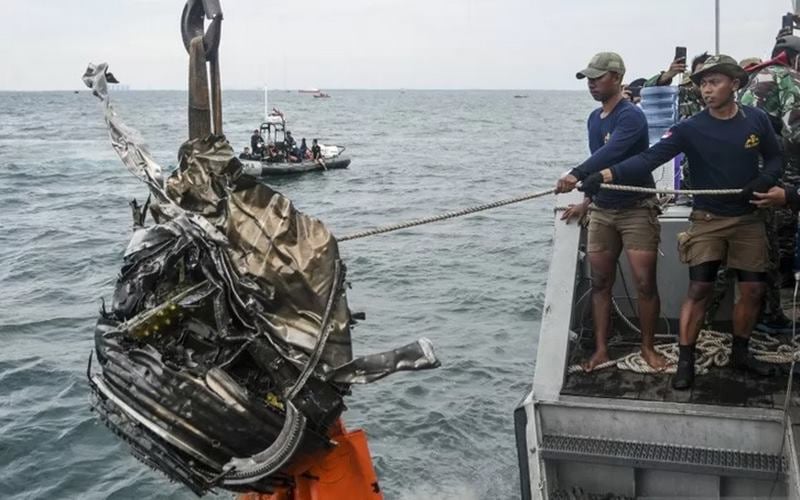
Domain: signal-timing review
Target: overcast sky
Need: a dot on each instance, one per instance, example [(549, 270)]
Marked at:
[(437, 44)]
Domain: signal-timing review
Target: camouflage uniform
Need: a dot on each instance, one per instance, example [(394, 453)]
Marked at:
[(689, 101), (776, 90)]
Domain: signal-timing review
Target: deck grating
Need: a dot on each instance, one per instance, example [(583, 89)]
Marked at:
[(663, 456)]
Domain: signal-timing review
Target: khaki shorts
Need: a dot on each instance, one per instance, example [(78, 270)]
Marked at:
[(634, 228), (739, 241)]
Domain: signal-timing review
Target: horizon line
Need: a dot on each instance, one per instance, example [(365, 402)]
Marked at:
[(296, 90)]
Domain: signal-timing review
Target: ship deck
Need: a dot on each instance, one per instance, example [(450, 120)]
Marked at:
[(720, 386)]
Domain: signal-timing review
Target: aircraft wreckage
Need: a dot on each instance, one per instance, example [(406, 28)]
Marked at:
[(225, 355)]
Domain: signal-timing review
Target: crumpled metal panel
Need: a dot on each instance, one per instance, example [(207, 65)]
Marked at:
[(284, 251), (279, 249), (227, 349)]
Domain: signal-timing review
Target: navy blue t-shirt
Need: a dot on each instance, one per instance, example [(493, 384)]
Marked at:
[(620, 135), (723, 154)]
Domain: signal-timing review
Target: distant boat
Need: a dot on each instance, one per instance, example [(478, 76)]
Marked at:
[(321, 94), (278, 156), (309, 91), (520, 96)]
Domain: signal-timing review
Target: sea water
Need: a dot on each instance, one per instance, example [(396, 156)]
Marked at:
[(473, 285)]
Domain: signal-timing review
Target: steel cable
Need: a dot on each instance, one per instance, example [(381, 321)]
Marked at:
[(525, 197)]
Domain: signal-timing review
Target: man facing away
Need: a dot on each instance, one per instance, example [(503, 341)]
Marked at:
[(724, 143), (256, 143), (617, 220)]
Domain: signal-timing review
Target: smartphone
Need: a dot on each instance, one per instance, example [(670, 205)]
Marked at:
[(788, 21), (680, 52)]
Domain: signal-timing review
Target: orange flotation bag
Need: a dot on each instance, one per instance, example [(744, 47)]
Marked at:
[(343, 472)]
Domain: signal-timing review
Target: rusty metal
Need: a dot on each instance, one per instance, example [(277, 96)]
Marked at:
[(199, 106), (204, 117), (194, 12)]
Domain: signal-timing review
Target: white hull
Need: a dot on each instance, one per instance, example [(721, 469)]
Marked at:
[(644, 439)]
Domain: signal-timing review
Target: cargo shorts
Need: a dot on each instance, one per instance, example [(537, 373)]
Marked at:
[(739, 241), (635, 228)]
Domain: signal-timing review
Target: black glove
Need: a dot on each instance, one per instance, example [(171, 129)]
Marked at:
[(578, 174), (591, 184), (760, 184)]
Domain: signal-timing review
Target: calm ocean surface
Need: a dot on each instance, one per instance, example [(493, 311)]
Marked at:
[(473, 285)]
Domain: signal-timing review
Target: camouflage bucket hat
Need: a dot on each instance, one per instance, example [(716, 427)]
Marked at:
[(720, 64), (601, 64)]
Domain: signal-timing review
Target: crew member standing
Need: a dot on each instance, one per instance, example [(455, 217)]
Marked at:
[(724, 144), (775, 88), (256, 143), (617, 220)]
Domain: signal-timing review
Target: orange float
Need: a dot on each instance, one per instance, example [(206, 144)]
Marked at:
[(343, 472)]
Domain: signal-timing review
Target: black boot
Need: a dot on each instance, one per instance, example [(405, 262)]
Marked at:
[(684, 376), (741, 359)]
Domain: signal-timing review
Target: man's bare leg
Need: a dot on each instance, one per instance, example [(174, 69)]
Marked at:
[(603, 273), (643, 265)]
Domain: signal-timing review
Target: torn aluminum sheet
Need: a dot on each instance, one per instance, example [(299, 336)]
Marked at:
[(227, 350)]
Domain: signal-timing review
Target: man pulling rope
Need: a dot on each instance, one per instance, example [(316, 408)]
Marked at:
[(723, 144)]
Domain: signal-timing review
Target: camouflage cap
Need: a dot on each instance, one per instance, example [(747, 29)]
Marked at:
[(602, 63), (750, 61), (720, 64)]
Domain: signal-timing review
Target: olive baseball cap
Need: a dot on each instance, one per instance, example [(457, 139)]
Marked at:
[(602, 63), (720, 64)]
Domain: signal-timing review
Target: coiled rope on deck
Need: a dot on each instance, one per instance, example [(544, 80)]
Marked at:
[(713, 349), (525, 197)]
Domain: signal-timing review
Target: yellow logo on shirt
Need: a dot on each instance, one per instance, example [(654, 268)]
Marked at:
[(752, 141), (607, 138)]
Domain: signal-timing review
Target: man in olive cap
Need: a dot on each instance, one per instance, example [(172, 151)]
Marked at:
[(724, 143), (617, 130)]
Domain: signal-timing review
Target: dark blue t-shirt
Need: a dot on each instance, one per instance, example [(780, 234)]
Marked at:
[(723, 154), (620, 135)]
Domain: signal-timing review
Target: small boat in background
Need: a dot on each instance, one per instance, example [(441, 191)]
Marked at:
[(278, 158), (321, 94), (309, 91), (520, 96)]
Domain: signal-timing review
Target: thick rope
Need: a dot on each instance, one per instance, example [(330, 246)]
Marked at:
[(704, 192), (712, 350), (526, 197)]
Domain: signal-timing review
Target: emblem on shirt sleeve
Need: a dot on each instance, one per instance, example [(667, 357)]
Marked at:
[(752, 141), (607, 138)]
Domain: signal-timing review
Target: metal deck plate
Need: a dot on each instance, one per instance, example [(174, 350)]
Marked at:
[(663, 456)]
